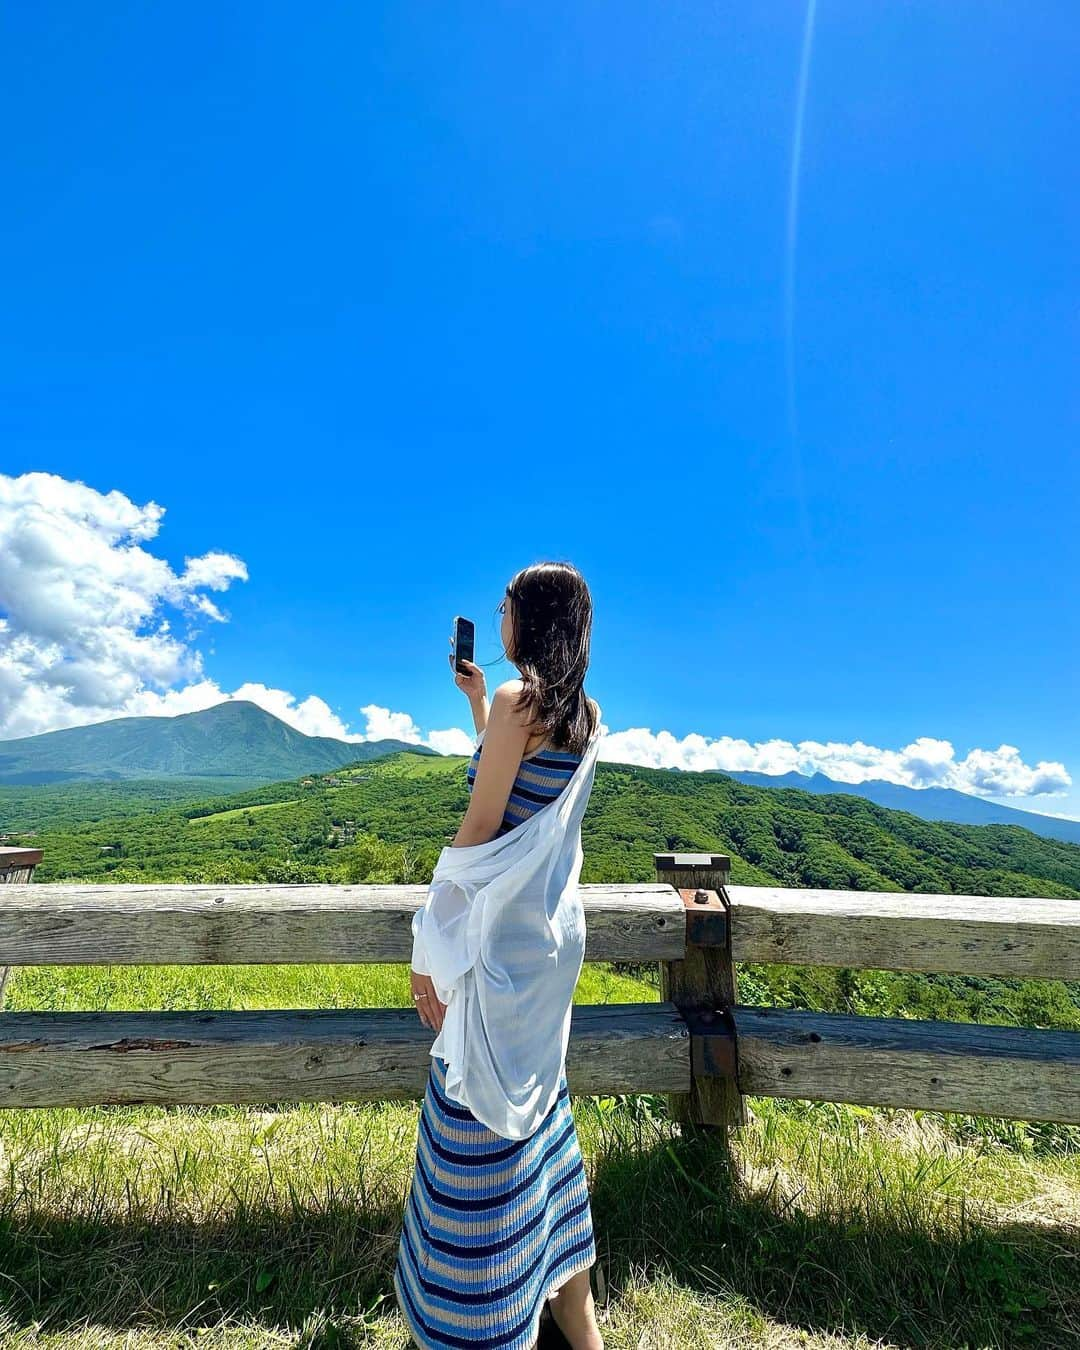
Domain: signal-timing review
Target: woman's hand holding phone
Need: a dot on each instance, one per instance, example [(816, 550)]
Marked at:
[(472, 683)]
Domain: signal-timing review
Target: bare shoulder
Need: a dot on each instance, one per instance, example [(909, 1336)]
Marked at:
[(504, 701), (508, 692)]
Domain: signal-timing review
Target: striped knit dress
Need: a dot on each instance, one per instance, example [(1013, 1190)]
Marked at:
[(493, 1227)]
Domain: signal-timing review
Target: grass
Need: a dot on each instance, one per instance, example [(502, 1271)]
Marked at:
[(832, 1227), (406, 765), (237, 811)]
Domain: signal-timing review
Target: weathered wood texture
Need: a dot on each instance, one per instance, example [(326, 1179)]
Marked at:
[(16, 868), (871, 930), (260, 924), (702, 981), (244, 925), (20, 861), (887, 1061), (175, 1058)]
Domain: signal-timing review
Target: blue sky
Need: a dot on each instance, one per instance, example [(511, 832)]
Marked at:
[(379, 303)]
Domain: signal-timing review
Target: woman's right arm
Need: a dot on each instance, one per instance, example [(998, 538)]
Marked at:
[(479, 713), (504, 740), (473, 685)]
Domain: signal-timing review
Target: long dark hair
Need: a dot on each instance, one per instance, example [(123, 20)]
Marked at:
[(551, 614)]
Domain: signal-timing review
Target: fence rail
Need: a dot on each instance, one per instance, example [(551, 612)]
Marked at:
[(870, 930), (698, 1044), (259, 924), (337, 1054), (894, 1061)]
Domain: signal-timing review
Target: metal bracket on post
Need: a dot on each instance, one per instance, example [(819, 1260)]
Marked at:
[(712, 1044), (702, 987), (706, 917)]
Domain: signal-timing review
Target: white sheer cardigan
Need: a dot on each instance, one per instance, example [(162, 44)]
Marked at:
[(502, 935)]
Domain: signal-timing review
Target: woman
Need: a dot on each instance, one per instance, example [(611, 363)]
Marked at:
[(498, 1223)]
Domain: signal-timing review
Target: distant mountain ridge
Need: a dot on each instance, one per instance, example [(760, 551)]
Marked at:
[(926, 803), (238, 739), (233, 738)]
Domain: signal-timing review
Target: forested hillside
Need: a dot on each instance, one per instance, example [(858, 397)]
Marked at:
[(314, 829), (929, 803)]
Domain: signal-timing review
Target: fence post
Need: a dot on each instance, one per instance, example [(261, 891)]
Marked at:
[(702, 986), (16, 866)]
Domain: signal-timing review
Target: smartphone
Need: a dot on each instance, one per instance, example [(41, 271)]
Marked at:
[(464, 633)]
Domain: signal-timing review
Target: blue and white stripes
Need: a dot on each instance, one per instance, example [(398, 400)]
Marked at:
[(492, 1227), (539, 780)]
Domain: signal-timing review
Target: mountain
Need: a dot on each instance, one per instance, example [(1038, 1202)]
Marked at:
[(232, 739), (926, 803)]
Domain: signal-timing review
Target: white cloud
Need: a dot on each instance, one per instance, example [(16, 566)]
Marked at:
[(216, 570), (926, 762), (381, 722), (453, 741), (384, 724), (85, 635)]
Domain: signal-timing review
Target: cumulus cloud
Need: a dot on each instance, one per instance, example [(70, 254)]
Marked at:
[(926, 762), (453, 741), (86, 606), (384, 724)]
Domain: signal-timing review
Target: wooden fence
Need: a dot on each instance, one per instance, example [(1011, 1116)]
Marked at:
[(16, 866), (697, 1044)]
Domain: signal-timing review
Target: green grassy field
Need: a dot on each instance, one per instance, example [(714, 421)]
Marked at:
[(827, 1226), (236, 812)]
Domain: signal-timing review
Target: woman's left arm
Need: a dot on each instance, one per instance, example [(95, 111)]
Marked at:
[(505, 739)]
